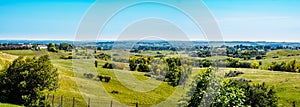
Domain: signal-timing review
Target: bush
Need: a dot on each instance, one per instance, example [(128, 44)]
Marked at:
[(89, 75), (244, 65), (66, 57), (143, 68), (106, 78), (233, 74), (255, 65), (290, 66), (147, 75), (257, 95), (110, 65), (258, 57), (205, 63)]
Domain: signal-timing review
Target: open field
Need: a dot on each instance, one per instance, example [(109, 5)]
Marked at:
[(134, 87), (8, 105), (287, 85)]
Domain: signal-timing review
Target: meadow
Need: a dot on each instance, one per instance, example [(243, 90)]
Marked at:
[(134, 87)]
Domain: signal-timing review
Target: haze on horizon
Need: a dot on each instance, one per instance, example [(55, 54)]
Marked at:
[(239, 20)]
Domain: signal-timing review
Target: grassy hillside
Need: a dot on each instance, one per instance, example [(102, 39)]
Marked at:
[(287, 85), (8, 105), (5, 59), (133, 87), (74, 84)]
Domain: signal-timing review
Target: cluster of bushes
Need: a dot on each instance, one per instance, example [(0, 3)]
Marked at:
[(104, 77), (62, 46), (205, 63), (229, 62), (209, 90), (233, 73), (177, 73), (140, 63), (246, 53), (89, 75), (170, 70), (66, 57), (201, 53), (52, 47), (235, 63), (110, 65), (291, 66), (103, 56)]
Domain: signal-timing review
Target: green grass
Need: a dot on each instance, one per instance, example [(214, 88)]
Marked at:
[(139, 88), (287, 85), (31, 53), (5, 59), (134, 87), (19, 52), (9, 105)]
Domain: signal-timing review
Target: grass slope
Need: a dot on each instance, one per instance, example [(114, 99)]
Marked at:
[(286, 85), (8, 105), (131, 90)]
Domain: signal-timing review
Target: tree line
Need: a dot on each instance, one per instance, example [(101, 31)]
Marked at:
[(290, 66)]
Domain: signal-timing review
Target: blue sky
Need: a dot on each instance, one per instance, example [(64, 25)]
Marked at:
[(253, 20)]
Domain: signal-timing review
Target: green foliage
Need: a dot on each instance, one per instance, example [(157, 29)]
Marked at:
[(25, 81), (65, 46), (233, 73), (143, 68), (158, 67), (177, 73), (209, 90), (258, 57), (255, 65), (257, 95), (52, 47), (66, 57), (110, 65), (103, 56), (205, 63), (140, 63), (290, 66), (234, 63), (204, 89), (229, 95)]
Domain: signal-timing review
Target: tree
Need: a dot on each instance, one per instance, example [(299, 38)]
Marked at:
[(96, 63), (204, 88), (255, 65), (35, 47), (25, 81), (209, 90), (52, 47), (64, 46)]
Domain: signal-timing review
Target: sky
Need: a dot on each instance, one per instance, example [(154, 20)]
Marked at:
[(238, 20)]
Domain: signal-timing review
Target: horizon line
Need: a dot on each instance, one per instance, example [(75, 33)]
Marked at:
[(144, 40)]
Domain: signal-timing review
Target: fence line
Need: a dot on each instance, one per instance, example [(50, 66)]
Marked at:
[(63, 101)]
